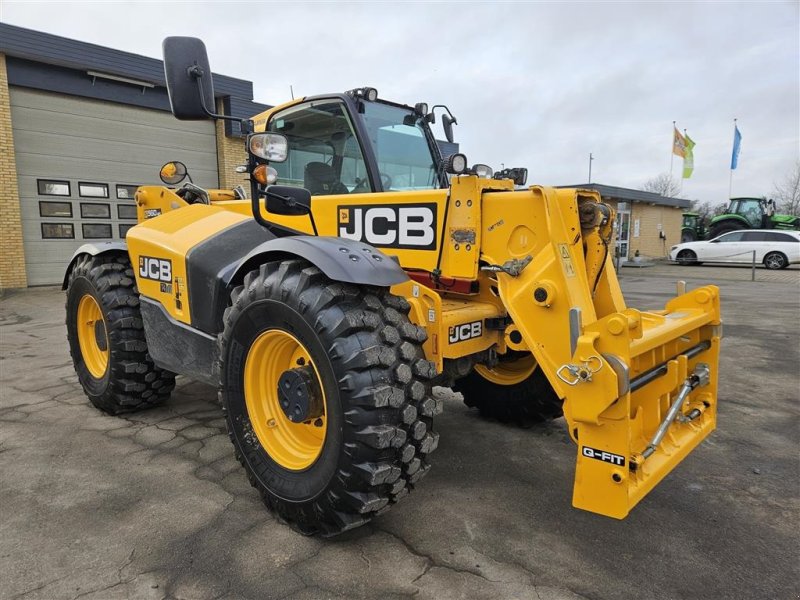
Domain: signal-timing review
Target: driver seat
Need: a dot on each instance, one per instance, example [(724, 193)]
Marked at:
[(320, 179)]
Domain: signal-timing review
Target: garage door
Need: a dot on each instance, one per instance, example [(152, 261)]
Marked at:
[(79, 162)]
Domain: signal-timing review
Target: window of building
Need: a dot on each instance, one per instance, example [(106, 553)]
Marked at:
[(126, 211), (124, 227), (55, 209), (58, 231), (93, 190), (52, 187), (126, 192), (92, 210), (93, 231)]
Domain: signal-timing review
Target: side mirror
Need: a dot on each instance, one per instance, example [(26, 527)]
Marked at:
[(288, 200), (447, 125), (188, 75), (173, 173)]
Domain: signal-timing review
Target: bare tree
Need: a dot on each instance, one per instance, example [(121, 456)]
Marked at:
[(707, 211), (663, 185), (787, 192)]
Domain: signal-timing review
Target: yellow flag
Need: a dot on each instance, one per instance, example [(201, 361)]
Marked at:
[(678, 144), (688, 157)]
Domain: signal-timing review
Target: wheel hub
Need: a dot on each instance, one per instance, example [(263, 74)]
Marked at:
[(299, 395), (100, 335)]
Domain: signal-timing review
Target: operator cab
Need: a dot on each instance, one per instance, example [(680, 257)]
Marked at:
[(343, 144)]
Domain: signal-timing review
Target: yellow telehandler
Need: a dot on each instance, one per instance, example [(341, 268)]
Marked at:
[(363, 269)]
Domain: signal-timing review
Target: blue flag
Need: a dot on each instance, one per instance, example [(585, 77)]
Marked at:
[(737, 144)]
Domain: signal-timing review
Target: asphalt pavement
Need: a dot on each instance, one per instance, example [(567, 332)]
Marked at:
[(154, 505)]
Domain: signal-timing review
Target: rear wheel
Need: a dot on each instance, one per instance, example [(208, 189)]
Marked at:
[(687, 257), (106, 337), (775, 261), (724, 227), (513, 391), (327, 396)]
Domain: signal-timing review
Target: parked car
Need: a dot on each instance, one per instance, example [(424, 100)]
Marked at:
[(775, 249)]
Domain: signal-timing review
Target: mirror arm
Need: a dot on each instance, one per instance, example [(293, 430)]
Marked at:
[(196, 73)]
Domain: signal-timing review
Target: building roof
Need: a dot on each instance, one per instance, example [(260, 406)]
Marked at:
[(631, 195), (66, 63), (61, 51)]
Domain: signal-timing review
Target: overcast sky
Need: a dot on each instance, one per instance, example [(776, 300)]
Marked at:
[(539, 85)]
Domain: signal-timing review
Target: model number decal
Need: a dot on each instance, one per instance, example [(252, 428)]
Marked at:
[(614, 459), (157, 269), (390, 225), (467, 331)]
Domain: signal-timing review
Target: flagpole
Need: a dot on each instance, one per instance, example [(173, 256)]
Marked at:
[(730, 184), (672, 150), (680, 189)]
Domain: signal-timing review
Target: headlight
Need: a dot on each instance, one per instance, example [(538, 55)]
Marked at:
[(270, 146), (455, 164), (482, 171), (673, 248)]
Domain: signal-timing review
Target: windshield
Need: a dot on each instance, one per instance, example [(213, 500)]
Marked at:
[(404, 155)]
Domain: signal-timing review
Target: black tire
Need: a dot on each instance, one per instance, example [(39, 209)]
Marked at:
[(131, 381), (724, 227), (526, 403), (775, 261), (376, 382), (688, 235), (686, 257)]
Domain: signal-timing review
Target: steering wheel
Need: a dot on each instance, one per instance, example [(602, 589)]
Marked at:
[(363, 184)]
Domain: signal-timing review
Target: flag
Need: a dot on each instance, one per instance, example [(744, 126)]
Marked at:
[(678, 143), (737, 145), (688, 157)]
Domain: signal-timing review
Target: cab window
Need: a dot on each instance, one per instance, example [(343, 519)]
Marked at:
[(324, 154)]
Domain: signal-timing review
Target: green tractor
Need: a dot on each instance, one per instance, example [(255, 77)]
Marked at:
[(751, 213), (693, 227)]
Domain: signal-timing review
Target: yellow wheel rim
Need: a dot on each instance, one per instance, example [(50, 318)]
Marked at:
[(509, 373), (294, 446), (92, 336)]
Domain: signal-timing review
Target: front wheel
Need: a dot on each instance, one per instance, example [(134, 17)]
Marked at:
[(775, 261), (513, 391), (327, 396), (687, 257)]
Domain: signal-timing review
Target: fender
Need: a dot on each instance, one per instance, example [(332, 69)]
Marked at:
[(340, 259), (728, 217), (215, 266), (93, 250)]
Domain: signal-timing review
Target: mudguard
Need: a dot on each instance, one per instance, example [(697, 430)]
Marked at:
[(93, 249), (340, 259)]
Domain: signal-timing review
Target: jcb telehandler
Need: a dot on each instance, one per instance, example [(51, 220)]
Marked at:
[(364, 269)]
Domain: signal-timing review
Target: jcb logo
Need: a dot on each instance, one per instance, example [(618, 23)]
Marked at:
[(390, 225), (467, 331), (157, 269)]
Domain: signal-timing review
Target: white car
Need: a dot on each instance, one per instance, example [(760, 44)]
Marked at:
[(774, 249)]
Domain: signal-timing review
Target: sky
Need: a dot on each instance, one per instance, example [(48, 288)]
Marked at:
[(533, 84)]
